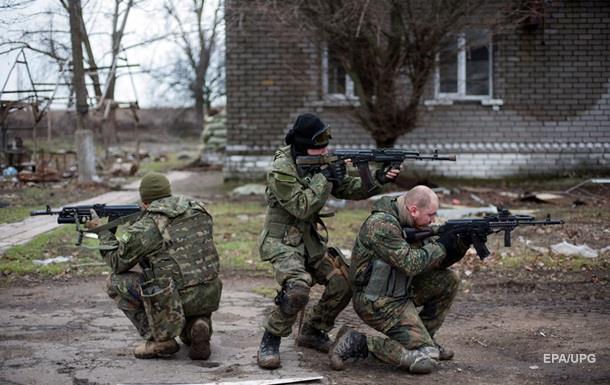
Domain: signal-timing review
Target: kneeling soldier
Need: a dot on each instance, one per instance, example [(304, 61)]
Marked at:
[(391, 278), (179, 288)]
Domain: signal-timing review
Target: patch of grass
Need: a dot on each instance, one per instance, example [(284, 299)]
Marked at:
[(267, 292), (21, 201), (237, 226), (165, 166), (344, 226), (19, 259)]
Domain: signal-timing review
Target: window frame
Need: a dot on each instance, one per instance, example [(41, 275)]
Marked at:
[(349, 84), (461, 73)]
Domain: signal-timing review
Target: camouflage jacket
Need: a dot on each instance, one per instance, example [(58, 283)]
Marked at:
[(172, 237), (293, 207), (380, 237)]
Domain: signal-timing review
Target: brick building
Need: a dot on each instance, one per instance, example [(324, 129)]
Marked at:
[(539, 101)]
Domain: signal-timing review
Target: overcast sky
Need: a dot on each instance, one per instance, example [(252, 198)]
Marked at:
[(145, 21)]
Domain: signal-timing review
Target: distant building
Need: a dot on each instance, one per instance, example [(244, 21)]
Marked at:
[(533, 102)]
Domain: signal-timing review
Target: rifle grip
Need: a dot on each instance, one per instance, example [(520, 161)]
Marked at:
[(507, 240), (480, 247), (365, 176)]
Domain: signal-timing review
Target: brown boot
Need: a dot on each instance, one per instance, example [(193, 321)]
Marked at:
[(154, 349), (200, 340)]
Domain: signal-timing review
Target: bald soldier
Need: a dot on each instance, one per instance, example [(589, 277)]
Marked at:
[(390, 278), (178, 288)]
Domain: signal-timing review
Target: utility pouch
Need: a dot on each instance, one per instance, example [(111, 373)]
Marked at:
[(378, 282), (163, 308)]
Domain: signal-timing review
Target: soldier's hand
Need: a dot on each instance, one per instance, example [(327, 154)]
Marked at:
[(387, 176), (335, 172), (95, 220)]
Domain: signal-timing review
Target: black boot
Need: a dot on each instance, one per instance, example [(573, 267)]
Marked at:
[(313, 338), (269, 352), (349, 344)]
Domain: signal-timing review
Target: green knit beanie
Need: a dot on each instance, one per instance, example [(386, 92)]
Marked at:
[(154, 186)]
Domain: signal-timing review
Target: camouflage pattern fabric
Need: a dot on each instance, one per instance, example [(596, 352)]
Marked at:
[(163, 308), (160, 243), (293, 241), (335, 298), (433, 288)]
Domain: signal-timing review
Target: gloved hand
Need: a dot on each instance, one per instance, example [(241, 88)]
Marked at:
[(334, 172), (94, 222), (449, 241), (386, 176)]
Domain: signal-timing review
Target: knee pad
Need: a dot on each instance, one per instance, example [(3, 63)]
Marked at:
[(293, 297)]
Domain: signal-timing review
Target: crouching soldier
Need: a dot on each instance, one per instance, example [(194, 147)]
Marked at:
[(178, 288), (392, 277), (294, 239)]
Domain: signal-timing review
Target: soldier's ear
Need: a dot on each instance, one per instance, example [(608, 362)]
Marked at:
[(413, 210)]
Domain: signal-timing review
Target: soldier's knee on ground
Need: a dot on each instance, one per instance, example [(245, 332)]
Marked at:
[(293, 297)]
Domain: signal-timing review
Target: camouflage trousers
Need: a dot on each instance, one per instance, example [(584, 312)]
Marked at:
[(326, 271), (197, 301), (399, 320)]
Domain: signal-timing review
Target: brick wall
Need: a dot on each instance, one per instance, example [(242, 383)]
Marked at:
[(554, 82)]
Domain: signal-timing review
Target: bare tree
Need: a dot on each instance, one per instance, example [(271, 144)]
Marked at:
[(388, 48), (197, 39), (84, 137)]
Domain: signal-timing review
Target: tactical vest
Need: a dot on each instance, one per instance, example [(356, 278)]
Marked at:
[(188, 255), (386, 281), (292, 231)]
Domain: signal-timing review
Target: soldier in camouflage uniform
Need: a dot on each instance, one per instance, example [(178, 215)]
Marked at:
[(178, 288), (294, 239), (391, 278)]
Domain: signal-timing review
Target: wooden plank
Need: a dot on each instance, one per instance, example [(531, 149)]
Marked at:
[(278, 381)]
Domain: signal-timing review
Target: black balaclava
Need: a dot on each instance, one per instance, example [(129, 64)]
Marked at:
[(308, 131)]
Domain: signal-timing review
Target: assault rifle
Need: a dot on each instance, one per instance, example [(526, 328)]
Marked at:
[(388, 157), (479, 228), (117, 215)]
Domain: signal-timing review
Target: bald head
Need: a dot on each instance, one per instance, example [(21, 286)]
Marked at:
[(420, 196), (420, 204)]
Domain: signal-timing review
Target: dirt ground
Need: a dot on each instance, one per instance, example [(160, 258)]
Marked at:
[(534, 324), (69, 332)]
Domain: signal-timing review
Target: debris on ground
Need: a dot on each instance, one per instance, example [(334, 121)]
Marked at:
[(570, 250), (542, 197), (249, 189), (120, 168), (48, 261)]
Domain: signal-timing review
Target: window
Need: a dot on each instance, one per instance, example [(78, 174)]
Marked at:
[(336, 83), (465, 67)]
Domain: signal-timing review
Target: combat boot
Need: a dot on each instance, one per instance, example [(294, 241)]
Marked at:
[(348, 344), (200, 340), (313, 338), (416, 361), (269, 352), (154, 349), (444, 354)]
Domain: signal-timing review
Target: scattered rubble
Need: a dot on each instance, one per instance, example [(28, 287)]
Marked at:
[(570, 250)]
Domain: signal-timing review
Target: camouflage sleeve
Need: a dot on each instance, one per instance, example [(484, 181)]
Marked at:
[(300, 200), (383, 235), (141, 239), (351, 188)]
